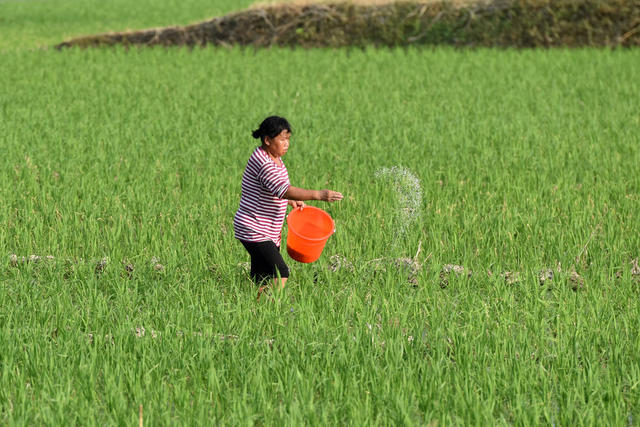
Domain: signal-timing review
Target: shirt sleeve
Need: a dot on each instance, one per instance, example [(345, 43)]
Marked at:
[(274, 182)]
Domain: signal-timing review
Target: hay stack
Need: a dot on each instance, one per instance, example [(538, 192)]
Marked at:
[(499, 23)]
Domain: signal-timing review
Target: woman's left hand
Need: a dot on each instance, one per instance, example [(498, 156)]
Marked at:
[(296, 204)]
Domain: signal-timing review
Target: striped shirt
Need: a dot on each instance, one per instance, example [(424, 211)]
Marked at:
[(262, 207)]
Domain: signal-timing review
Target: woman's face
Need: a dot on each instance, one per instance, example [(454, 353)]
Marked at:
[(278, 145)]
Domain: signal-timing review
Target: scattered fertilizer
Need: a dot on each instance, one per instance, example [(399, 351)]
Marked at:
[(576, 280), (128, 267), (101, 265), (545, 275), (635, 269), (511, 277), (245, 267), (14, 260), (410, 267), (408, 192), (156, 264), (447, 269), (339, 262)]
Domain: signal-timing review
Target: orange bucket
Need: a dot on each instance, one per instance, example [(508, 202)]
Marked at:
[(309, 229)]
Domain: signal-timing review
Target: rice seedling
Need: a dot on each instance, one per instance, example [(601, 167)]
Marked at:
[(118, 162)]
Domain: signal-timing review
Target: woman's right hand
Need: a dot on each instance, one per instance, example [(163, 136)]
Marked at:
[(330, 196)]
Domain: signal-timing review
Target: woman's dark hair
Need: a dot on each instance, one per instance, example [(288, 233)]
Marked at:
[(271, 127)]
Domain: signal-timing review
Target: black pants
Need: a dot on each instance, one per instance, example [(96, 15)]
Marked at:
[(266, 261)]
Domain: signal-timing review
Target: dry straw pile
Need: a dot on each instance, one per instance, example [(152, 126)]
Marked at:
[(500, 23)]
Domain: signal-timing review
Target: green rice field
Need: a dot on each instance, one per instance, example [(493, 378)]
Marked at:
[(509, 297)]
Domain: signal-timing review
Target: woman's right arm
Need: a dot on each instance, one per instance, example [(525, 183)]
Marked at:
[(295, 193)]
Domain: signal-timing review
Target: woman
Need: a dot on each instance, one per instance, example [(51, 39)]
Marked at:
[(266, 192)]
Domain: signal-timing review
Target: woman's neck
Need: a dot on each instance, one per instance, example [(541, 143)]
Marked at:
[(277, 160)]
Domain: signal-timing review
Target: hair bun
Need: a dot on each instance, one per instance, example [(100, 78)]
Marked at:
[(270, 127)]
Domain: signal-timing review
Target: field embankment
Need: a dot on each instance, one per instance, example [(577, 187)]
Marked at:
[(521, 24)]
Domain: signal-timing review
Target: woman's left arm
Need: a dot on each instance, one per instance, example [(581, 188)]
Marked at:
[(295, 193)]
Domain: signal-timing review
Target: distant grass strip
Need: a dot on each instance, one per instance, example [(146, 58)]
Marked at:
[(522, 24), (36, 24)]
